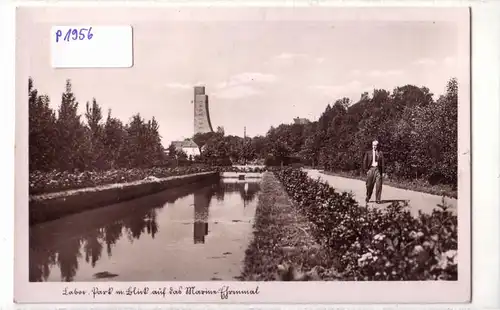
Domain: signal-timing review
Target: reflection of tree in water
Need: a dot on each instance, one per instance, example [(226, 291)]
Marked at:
[(172, 199), (135, 226), (151, 223), (144, 220), (67, 259), (93, 246), (40, 265), (112, 234), (66, 256)]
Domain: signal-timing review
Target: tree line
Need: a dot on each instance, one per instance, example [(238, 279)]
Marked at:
[(417, 134), (66, 142)]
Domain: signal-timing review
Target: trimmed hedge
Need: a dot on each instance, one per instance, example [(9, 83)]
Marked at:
[(374, 244)]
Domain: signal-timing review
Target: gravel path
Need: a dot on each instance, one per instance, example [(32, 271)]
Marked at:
[(416, 200)]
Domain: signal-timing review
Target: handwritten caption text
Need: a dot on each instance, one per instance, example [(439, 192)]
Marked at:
[(223, 292)]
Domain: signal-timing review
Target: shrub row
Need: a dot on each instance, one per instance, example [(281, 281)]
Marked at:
[(54, 181), (374, 244), (242, 169)]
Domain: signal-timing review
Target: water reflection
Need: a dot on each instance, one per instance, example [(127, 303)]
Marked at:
[(67, 243), (202, 200), (247, 190)]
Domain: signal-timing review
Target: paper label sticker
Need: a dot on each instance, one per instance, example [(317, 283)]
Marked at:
[(87, 46)]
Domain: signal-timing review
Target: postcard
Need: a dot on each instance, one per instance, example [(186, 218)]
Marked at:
[(242, 155)]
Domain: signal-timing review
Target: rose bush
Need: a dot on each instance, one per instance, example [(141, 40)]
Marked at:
[(374, 244), (54, 181)]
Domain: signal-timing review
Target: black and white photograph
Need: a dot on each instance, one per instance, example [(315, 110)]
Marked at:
[(256, 145)]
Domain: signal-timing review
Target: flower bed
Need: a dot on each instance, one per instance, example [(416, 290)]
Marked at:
[(52, 206), (55, 181), (374, 244), (282, 241)]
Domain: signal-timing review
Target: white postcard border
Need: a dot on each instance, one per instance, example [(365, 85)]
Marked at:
[(270, 292)]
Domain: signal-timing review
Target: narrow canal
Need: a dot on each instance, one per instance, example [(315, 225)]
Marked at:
[(191, 233)]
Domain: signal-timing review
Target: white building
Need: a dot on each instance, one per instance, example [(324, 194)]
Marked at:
[(188, 147)]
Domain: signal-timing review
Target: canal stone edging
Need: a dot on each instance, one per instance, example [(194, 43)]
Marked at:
[(51, 206)]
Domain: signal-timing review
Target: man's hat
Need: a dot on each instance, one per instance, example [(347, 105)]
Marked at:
[(375, 142)]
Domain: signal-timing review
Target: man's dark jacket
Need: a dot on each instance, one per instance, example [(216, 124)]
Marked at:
[(368, 158)]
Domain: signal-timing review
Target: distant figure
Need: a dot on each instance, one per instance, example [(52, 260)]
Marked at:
[(373, 164)]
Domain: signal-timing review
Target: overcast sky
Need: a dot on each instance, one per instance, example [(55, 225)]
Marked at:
[(258, 73)]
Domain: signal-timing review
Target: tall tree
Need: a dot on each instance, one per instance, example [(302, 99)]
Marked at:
[(93, 116), (134, 152), (171, 150), (201, 139), (70, 133), (42, 130), (114, 138), (155, 154)]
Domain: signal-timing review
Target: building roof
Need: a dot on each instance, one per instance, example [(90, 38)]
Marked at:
[(185, 144), (299, 120)]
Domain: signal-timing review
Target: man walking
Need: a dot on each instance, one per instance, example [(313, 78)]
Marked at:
[(373, 163)]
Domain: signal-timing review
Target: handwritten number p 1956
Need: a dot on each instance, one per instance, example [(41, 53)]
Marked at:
[(75, 34), (58, 34)]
